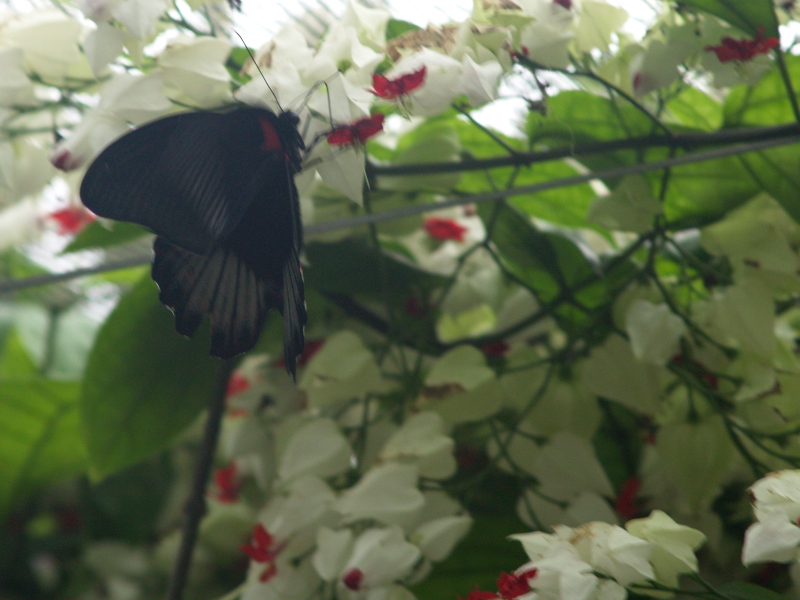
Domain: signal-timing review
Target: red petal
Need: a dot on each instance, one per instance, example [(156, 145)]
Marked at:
[(237, 384), (445, 229), (481, 595), (352, 579)]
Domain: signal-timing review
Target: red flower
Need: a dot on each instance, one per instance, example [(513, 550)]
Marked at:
[(744, 49), (72, 219), (415, 307), (698, 369), (227, 484), (390, 89), (564, 3), (358, 132), (498, 348), (625, 504), (264, 550), (237, 384), (445, 229), (481, 595), (352, 579), (513, 586)]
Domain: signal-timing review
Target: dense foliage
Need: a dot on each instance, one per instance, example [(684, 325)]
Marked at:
[(555, 297)]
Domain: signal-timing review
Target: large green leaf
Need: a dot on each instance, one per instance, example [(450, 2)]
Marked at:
[(765, 103), (144, 383), (748, 591), (354, 267), (575, 118), (98, 235), (747, 15), (40, 436), (477, 561), (700, 192)]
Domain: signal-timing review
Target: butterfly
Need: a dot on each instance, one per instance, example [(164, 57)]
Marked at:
[(218, 190)]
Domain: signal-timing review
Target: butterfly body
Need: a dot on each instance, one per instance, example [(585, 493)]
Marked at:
[(218, 190)]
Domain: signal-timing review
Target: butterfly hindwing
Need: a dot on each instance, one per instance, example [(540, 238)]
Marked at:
[(218, 284)]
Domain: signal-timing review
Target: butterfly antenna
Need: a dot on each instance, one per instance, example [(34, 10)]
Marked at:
[(260, 72)]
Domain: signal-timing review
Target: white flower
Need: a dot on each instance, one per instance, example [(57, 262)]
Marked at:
[(15, 87), (49, 39), (437, 538), (440, 88), (674, 545), (654, 331), (568, 465), (612, 551), (103, 45), (139, 17), (630, 207), (333, 550), (421, 442), (126, 98), (546, 41), (194, 68), (19, 224), (370, 23), (387, 493), (379, 557), (317, 448), (294, 516), (773, 538), (343, 369), (778, 491)]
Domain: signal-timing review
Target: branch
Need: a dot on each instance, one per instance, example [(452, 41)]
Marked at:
[(196, 504)]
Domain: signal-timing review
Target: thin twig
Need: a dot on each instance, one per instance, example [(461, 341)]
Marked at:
[(196, 504)]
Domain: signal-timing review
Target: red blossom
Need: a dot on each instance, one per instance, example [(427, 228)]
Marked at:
[(481, 595), (352, 579), (498, 348), (64, 160), (390, 89), (698, 369), (72, 219), (237, 384), (514, 585), (625, 504), (263, 550), (357, 132), (445, 229), (744, 49), (415, 307), (564, 3), (227, 484)]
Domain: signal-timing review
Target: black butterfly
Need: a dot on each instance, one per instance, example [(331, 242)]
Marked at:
[(218, 190)]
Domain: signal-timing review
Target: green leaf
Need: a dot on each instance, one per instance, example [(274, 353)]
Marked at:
[(749, 591), (765, 103), (353, 267), (546, 263), (40, 436), (144, 383), (396, 28), (97, 235), (128, 504), (747, 15), (701, 192), (576, 118), (477, 561), (692, 108)]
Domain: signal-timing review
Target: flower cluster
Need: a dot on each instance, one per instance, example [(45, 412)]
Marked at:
[(601, 561)]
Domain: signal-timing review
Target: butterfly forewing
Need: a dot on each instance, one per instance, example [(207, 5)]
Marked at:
[(218, 189)]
